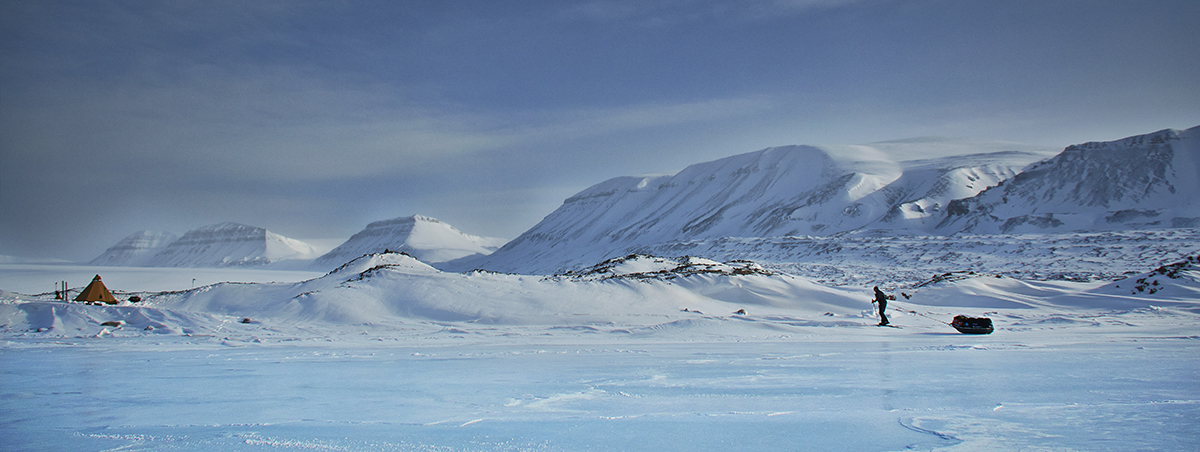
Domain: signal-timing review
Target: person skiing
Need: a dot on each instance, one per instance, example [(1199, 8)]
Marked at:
[(881, 298)]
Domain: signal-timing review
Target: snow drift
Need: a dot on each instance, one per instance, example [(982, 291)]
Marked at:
[(390, 286)]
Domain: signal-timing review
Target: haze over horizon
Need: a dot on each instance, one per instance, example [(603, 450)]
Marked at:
[(313, 119)]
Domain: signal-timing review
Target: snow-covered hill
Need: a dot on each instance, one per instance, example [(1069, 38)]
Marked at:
[(782, 191), (422, 237), (1145, 181), (394, 286), (230, 245), (136, 250), (395, 290)]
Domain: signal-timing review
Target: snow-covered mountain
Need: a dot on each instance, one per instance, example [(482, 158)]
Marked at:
[(781, 191), (229, 245), (1138, 183), (135, 250), (1145, 181), (425, 238)]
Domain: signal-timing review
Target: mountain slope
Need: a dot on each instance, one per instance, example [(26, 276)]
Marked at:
[(781, 191), (230, 245), (1145, 181), (425, 238), (135, 250)]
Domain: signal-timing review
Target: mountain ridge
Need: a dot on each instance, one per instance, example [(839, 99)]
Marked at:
[(1141, 181), (777, 191), (1136, 182)]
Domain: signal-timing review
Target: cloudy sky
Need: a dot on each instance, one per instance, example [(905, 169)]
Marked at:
[(314, 118)]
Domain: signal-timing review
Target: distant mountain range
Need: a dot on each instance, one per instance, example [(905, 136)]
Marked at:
[(218, 245), (957, 186), (239, 245), (1142, 182)]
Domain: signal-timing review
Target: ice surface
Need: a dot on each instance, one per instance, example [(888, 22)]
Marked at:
[(456, 389)]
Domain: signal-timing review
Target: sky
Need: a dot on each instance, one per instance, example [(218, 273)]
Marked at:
[(313, 118)]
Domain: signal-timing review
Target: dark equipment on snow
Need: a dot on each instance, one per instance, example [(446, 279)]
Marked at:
[(972, 325)]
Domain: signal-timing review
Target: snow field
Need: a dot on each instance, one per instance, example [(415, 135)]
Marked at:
[(640, 353)]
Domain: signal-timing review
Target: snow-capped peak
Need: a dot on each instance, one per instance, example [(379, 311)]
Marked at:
[(422, 237)]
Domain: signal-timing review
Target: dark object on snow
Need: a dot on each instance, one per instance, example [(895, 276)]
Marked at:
[(247, 320), (972, 325), (740, 312), (116, 323), (135, 299)]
